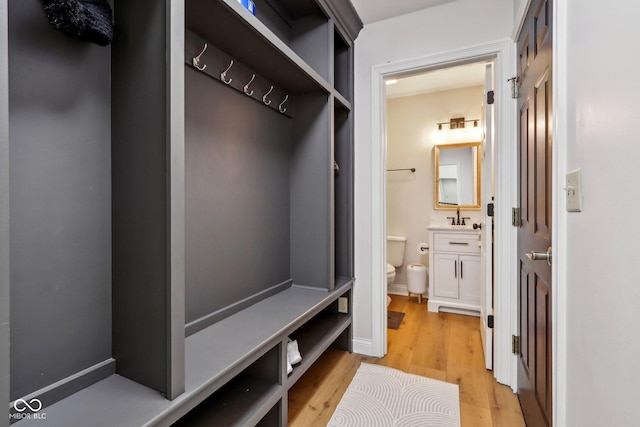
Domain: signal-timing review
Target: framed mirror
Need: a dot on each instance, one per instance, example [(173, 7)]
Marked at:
[(458, 175)]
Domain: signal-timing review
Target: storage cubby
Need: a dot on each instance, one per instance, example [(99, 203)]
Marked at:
[(188, 216), (343, 192), (342, 66), (224, 23), (302, 25), (327, 328), (274, 417), (245, 399)]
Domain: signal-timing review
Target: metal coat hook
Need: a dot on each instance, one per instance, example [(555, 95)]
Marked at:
[(223, 75), (196, 60), (246, 87), (264, 98), (280, 107)]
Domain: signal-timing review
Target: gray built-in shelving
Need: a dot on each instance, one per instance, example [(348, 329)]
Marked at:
[(172, 226)]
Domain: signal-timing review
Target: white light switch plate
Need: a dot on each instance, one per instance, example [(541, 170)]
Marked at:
[(574, 191)]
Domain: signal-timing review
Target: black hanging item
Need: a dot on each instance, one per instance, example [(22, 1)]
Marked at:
[(90, 20)]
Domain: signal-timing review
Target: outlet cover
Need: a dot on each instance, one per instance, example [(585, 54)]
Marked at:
[(574, 191), (343, 305)]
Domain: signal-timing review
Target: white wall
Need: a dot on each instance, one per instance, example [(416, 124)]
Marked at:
[(411, 135), (450, 27), (598, 87)]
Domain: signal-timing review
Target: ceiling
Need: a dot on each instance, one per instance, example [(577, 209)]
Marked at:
[(434, 81), (451, 78), (379, 10)]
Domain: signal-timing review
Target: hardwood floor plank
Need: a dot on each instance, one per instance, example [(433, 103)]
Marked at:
[(445, 347), (475, 416), (504, 405), (315, 396)]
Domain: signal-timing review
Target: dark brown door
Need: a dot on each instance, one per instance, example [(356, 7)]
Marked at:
[(534, 235)]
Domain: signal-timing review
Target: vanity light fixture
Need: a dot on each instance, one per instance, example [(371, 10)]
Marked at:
[(458, 123)]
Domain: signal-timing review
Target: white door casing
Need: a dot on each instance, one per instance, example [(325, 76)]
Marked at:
[(502, 54), (486, 243)]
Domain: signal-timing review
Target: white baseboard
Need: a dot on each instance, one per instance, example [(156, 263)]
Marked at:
[(397, 289), (362, 346), (400, 289)]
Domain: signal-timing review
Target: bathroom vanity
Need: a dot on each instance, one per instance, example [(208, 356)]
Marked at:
[(454, 277)]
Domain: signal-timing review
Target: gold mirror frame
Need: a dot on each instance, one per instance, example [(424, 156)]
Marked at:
[(478, 175)]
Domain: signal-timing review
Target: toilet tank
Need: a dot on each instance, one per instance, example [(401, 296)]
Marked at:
[(395, 250)]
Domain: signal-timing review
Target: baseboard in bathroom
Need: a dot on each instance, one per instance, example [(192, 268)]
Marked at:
[(397, 289)]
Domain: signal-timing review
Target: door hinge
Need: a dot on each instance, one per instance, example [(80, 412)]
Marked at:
[(490, 97), (515, 344), (515, 85), (490, 321), (490, 209), (515, 217)]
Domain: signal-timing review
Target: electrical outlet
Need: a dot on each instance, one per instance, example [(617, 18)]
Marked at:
[(343, 305)]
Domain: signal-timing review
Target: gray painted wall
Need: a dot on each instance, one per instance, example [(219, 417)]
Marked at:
[(237, 195), (311, 177), (60, 201)]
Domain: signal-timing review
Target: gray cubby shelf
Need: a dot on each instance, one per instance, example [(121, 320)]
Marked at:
[(236, 363), (342, 66), (204, 225), (242, 401), (314, 338), (245, 37)]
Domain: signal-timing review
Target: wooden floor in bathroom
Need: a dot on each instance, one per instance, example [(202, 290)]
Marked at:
[(443, 346)]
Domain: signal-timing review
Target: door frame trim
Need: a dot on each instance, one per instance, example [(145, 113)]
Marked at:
[(502, 52), (559, 133)]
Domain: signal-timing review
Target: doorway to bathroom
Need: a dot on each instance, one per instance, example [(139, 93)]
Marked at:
[(505, 243), (449, 107), (419, 109)]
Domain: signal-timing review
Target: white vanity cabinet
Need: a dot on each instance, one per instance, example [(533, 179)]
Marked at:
[(454, 279)]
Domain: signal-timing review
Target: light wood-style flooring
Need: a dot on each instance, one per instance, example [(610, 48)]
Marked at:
[(443, 346)]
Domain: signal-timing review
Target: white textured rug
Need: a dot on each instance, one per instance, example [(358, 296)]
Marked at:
[(385, 397)]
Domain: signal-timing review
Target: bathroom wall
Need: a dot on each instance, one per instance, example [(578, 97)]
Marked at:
[(411, 135)]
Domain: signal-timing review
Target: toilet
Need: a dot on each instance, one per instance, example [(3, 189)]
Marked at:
[(395, 258)]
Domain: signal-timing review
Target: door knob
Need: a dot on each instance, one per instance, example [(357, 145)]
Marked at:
[(536, 256)]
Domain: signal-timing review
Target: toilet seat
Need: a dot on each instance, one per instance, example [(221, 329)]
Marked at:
[(391, 274), (390, 269)]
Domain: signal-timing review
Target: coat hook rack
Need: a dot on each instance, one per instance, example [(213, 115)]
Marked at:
[(264, 98), (223, 75), (196, 59), (246, 87), (281, 106), (236, 75)]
